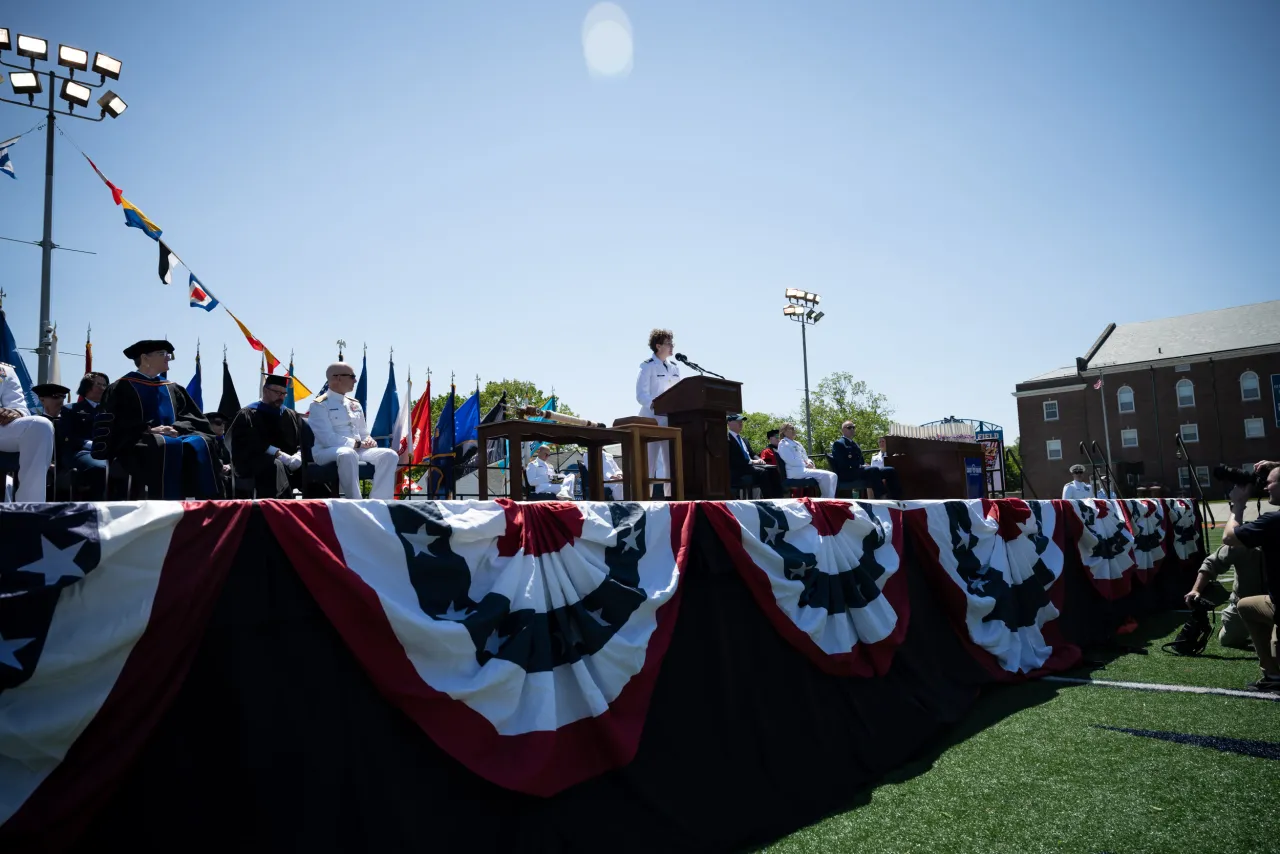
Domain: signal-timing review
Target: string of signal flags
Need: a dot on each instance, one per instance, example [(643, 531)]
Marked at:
[(199, 296)]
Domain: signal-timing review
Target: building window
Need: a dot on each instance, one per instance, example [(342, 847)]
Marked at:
[(1124, 396), (1202, 472), (1184, 477), (1183, 368), (1053, 449), (1253, 428), (1186, 394), (1129, 438), (1190, 433), (1249, 386), (1051, 410)]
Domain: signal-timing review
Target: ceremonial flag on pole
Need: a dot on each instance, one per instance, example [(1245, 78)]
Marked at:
[(440, 477), (168, 260), (400, 434), (362, 386), (116, 193), (497, 450), (6, 165), (548, 406), (288, 392), (194, 387), (466, 429), (200, 296), (388, 410), (135, 218), (10, 356), (88, 350), (422, 427), (230, 403), (55, 365)]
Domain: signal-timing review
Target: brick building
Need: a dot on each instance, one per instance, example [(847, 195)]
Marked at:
[(1213, 378)]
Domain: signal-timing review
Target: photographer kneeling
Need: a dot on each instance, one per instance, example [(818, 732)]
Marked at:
[(1259, 612), (1250, 581)]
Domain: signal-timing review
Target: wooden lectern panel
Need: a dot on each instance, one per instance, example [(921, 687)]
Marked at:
[(698, 406), (930, 468)]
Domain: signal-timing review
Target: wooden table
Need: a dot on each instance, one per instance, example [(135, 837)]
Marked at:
[(516, 432), (636, 483)]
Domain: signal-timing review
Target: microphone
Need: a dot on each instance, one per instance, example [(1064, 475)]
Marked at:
[(682, 358)]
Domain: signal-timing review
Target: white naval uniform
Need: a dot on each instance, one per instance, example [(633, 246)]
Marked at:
[(540, 475), (877, 460), (794, 456), (1075, 490), (339, 426), (656, 376), (30, 435)]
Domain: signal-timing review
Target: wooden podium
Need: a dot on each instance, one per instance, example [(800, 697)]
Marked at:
[(698, 406)]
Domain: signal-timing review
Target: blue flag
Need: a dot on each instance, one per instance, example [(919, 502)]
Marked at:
[(548, 406), (362, 386), (10, 356), (193, 387), (6, 165), (441, 484), (388, 411), (288, 393), (467, 425)]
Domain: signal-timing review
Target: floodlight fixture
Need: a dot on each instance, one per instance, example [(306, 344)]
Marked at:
[(813, 298), (795, 293), (32, 48), (106, 66), (73, 58), (5, 44), (25, 83), (75, 94), (819, 316), (791, 310), (112, 104)]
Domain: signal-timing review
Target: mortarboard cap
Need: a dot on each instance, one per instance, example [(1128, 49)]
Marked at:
[(273, 379), (50, 389), (135, 351)]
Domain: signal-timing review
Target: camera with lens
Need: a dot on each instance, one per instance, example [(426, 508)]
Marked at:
[(1255, 481)]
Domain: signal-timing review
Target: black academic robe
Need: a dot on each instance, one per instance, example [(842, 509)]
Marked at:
[(251, 433), (122, 431)]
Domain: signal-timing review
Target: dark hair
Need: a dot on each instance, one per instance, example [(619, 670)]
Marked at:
[(1264, 472), (86, 382), (772, 433), (657, 336)]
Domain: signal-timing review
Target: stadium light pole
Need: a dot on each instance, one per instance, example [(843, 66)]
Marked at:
[(26, 80), (802, 307)]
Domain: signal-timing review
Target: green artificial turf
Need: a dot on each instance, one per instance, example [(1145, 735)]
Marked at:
[(1028, 771)]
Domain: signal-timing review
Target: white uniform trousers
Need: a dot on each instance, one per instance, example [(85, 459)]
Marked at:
[(826, 481), (657, 461), (348, 459), (32, 437)]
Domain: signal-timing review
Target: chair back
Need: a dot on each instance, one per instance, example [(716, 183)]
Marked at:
[(307, 438)]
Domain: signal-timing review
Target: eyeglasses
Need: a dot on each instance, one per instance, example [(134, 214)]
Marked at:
[(352, 376)]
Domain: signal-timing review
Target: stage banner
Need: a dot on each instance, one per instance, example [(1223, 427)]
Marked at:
[(1105, 544), (102, 609), (524, 639), (997, 566), (1184, 528), (827, 573), (1149, 525)]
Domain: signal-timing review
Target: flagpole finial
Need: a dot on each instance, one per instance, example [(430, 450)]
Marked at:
[(341, 346), (224, 352)]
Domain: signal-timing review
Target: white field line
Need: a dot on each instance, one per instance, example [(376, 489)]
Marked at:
[(1172, 689)]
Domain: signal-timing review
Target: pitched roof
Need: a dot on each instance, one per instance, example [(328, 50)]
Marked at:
[(1225, 329)]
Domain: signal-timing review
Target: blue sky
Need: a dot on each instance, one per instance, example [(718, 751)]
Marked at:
[(974, 189)]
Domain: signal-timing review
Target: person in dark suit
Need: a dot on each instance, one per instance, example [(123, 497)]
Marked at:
[(745, 469), (266, 441), (847, 460), (77, 428)]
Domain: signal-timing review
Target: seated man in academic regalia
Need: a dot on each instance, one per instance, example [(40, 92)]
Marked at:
[(155, 429), (266, 441)]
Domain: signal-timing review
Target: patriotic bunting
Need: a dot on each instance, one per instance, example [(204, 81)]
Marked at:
[(826, 573), (1184, 528), (1105, 544), (997, 565), (1149, 527)]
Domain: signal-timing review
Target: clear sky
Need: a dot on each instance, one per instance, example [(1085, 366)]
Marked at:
[(975, 189)]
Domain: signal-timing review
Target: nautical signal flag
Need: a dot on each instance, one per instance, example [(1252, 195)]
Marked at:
[(168, 260), (135, 218), (200, 296), (6, 165), (115, 191)]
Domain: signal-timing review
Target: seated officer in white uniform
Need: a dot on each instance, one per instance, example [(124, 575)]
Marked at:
[(800, 466), (342, 436), (1078, 487), (543, 479), (30, 435), (657, 374)]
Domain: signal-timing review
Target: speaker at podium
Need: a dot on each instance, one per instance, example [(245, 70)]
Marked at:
[(698, 406)]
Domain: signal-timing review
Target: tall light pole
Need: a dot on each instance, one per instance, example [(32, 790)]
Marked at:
[(802, 307), (26, 81)]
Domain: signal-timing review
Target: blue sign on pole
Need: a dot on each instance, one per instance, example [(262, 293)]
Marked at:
[(1275, 396), (973, 478)]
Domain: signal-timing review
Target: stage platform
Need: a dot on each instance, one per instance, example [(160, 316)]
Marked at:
[(500, 676)]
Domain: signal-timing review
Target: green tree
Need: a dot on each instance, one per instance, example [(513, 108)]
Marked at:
[(757, 425), (1013, 466), (839, 398), (520, 392)]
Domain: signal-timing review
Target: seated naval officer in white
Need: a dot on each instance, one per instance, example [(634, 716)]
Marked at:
[(31, 436), (799, 465), (342, 436), (657, 374), (542, 477), (612, 479), (1078, 487)]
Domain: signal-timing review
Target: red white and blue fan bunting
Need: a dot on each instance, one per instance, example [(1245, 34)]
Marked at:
[(997, 567), (1184, 528), (826, 573), (102, 607), (1105, 544), (525, 640), (1149, 526)]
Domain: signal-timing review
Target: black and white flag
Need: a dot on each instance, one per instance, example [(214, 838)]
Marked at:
[(168, 260)]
